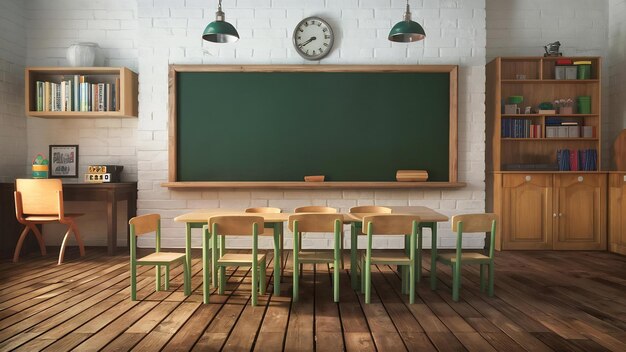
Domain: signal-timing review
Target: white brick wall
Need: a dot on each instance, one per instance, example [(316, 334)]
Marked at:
[(12, 58), (170, 32), (617, 67)]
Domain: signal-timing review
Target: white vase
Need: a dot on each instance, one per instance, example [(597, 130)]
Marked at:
[(82, 54)]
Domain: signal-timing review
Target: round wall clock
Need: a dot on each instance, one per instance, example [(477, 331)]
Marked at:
[(313, 38)]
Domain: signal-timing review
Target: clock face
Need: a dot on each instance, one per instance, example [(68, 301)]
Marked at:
[(313, 38)]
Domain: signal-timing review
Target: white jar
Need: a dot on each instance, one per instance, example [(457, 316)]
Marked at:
[(82, 54)]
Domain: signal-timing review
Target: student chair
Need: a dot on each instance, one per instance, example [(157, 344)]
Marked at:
[(356, 228), (147, 224), (40, 201), (239, 225), (390, 224), (310, 222), (324, 210), (471, 223), (269, 228)]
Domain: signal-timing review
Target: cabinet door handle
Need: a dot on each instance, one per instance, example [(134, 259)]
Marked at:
[(560, 214), (554, 215)]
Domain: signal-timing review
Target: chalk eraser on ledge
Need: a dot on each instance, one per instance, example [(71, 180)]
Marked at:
[(314, 178), (411, 175)]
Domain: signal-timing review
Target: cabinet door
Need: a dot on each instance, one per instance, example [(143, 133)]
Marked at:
[(617, 213), (581, 211), (527, 211)]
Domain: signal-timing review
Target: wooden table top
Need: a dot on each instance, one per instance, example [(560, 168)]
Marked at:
[(202, 215)]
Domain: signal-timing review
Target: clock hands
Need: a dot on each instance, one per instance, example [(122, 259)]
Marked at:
[(308, 41)]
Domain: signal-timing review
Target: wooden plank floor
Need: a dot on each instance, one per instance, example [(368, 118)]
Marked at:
[(545, 301)]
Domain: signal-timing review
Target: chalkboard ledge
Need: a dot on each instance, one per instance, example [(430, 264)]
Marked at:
[(312, 185)]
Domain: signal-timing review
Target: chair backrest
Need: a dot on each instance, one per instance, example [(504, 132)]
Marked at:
[(374, 209), (40, 196), (315, 222), (264, 210), (315, 209), (145, 224), (236, 225), (390, 224), (474, 222)]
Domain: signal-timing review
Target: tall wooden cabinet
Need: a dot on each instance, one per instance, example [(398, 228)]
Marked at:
[(539, 207)]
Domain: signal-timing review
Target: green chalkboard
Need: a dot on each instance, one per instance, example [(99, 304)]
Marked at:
[(281, 126)]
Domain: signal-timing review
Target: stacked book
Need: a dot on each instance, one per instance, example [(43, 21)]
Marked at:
[(76, 94), (577, 160), (520, 128), (557, 128)]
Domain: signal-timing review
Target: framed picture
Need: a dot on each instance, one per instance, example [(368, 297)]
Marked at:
[(63, 160)]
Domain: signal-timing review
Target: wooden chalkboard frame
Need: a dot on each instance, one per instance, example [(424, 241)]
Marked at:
[(452, 70)]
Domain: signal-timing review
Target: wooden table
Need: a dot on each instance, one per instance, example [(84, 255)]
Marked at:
[(111, 193), (199, 218)]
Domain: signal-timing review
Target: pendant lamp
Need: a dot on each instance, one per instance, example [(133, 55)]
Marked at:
[(220, 31), (407, 31)]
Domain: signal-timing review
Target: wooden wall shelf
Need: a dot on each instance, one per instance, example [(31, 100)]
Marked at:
[(128, 89), (314, 185)]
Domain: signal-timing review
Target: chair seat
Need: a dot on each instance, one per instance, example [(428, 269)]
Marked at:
[(233, 258), (465, 257), (316, 256), (48, 218), (390, 256), (162, 257)]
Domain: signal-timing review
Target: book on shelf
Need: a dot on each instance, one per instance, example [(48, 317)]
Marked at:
[(520, 128), (75, 93), (577, 160)]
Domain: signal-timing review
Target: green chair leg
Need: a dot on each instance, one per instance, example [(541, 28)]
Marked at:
[(362, 276), (491, 279), (412, 283), (255, 284), (296, 277), (262, 284), (456, 282), (187, 278), (158, 277), (222, 278), (133, 282), (336, 271), (167, 277), (368, 280)]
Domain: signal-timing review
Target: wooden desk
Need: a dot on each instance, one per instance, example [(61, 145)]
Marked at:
[(198, 218), (111, 193)]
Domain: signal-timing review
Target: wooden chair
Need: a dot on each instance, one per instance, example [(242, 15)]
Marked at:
[(310, 222), (471, 223), (239, 225), (356, 227), (40, 201), (374, 209), (324, 210), (389, 224), (269, 228), (147, 224)]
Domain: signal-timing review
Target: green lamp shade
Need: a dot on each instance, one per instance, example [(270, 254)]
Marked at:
[(220, 32), (406, 31)]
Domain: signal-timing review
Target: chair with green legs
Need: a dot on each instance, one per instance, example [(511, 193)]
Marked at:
[(390, 224), (146, 224), (320, 223), (239, 225), (471, 223)]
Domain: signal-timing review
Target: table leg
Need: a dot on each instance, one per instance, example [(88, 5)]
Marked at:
[(188, 244), (214, 249), (205, 266), (433, 257), (111, 222), (418, 257), (277, 257), (353, 254), (131, 212)]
